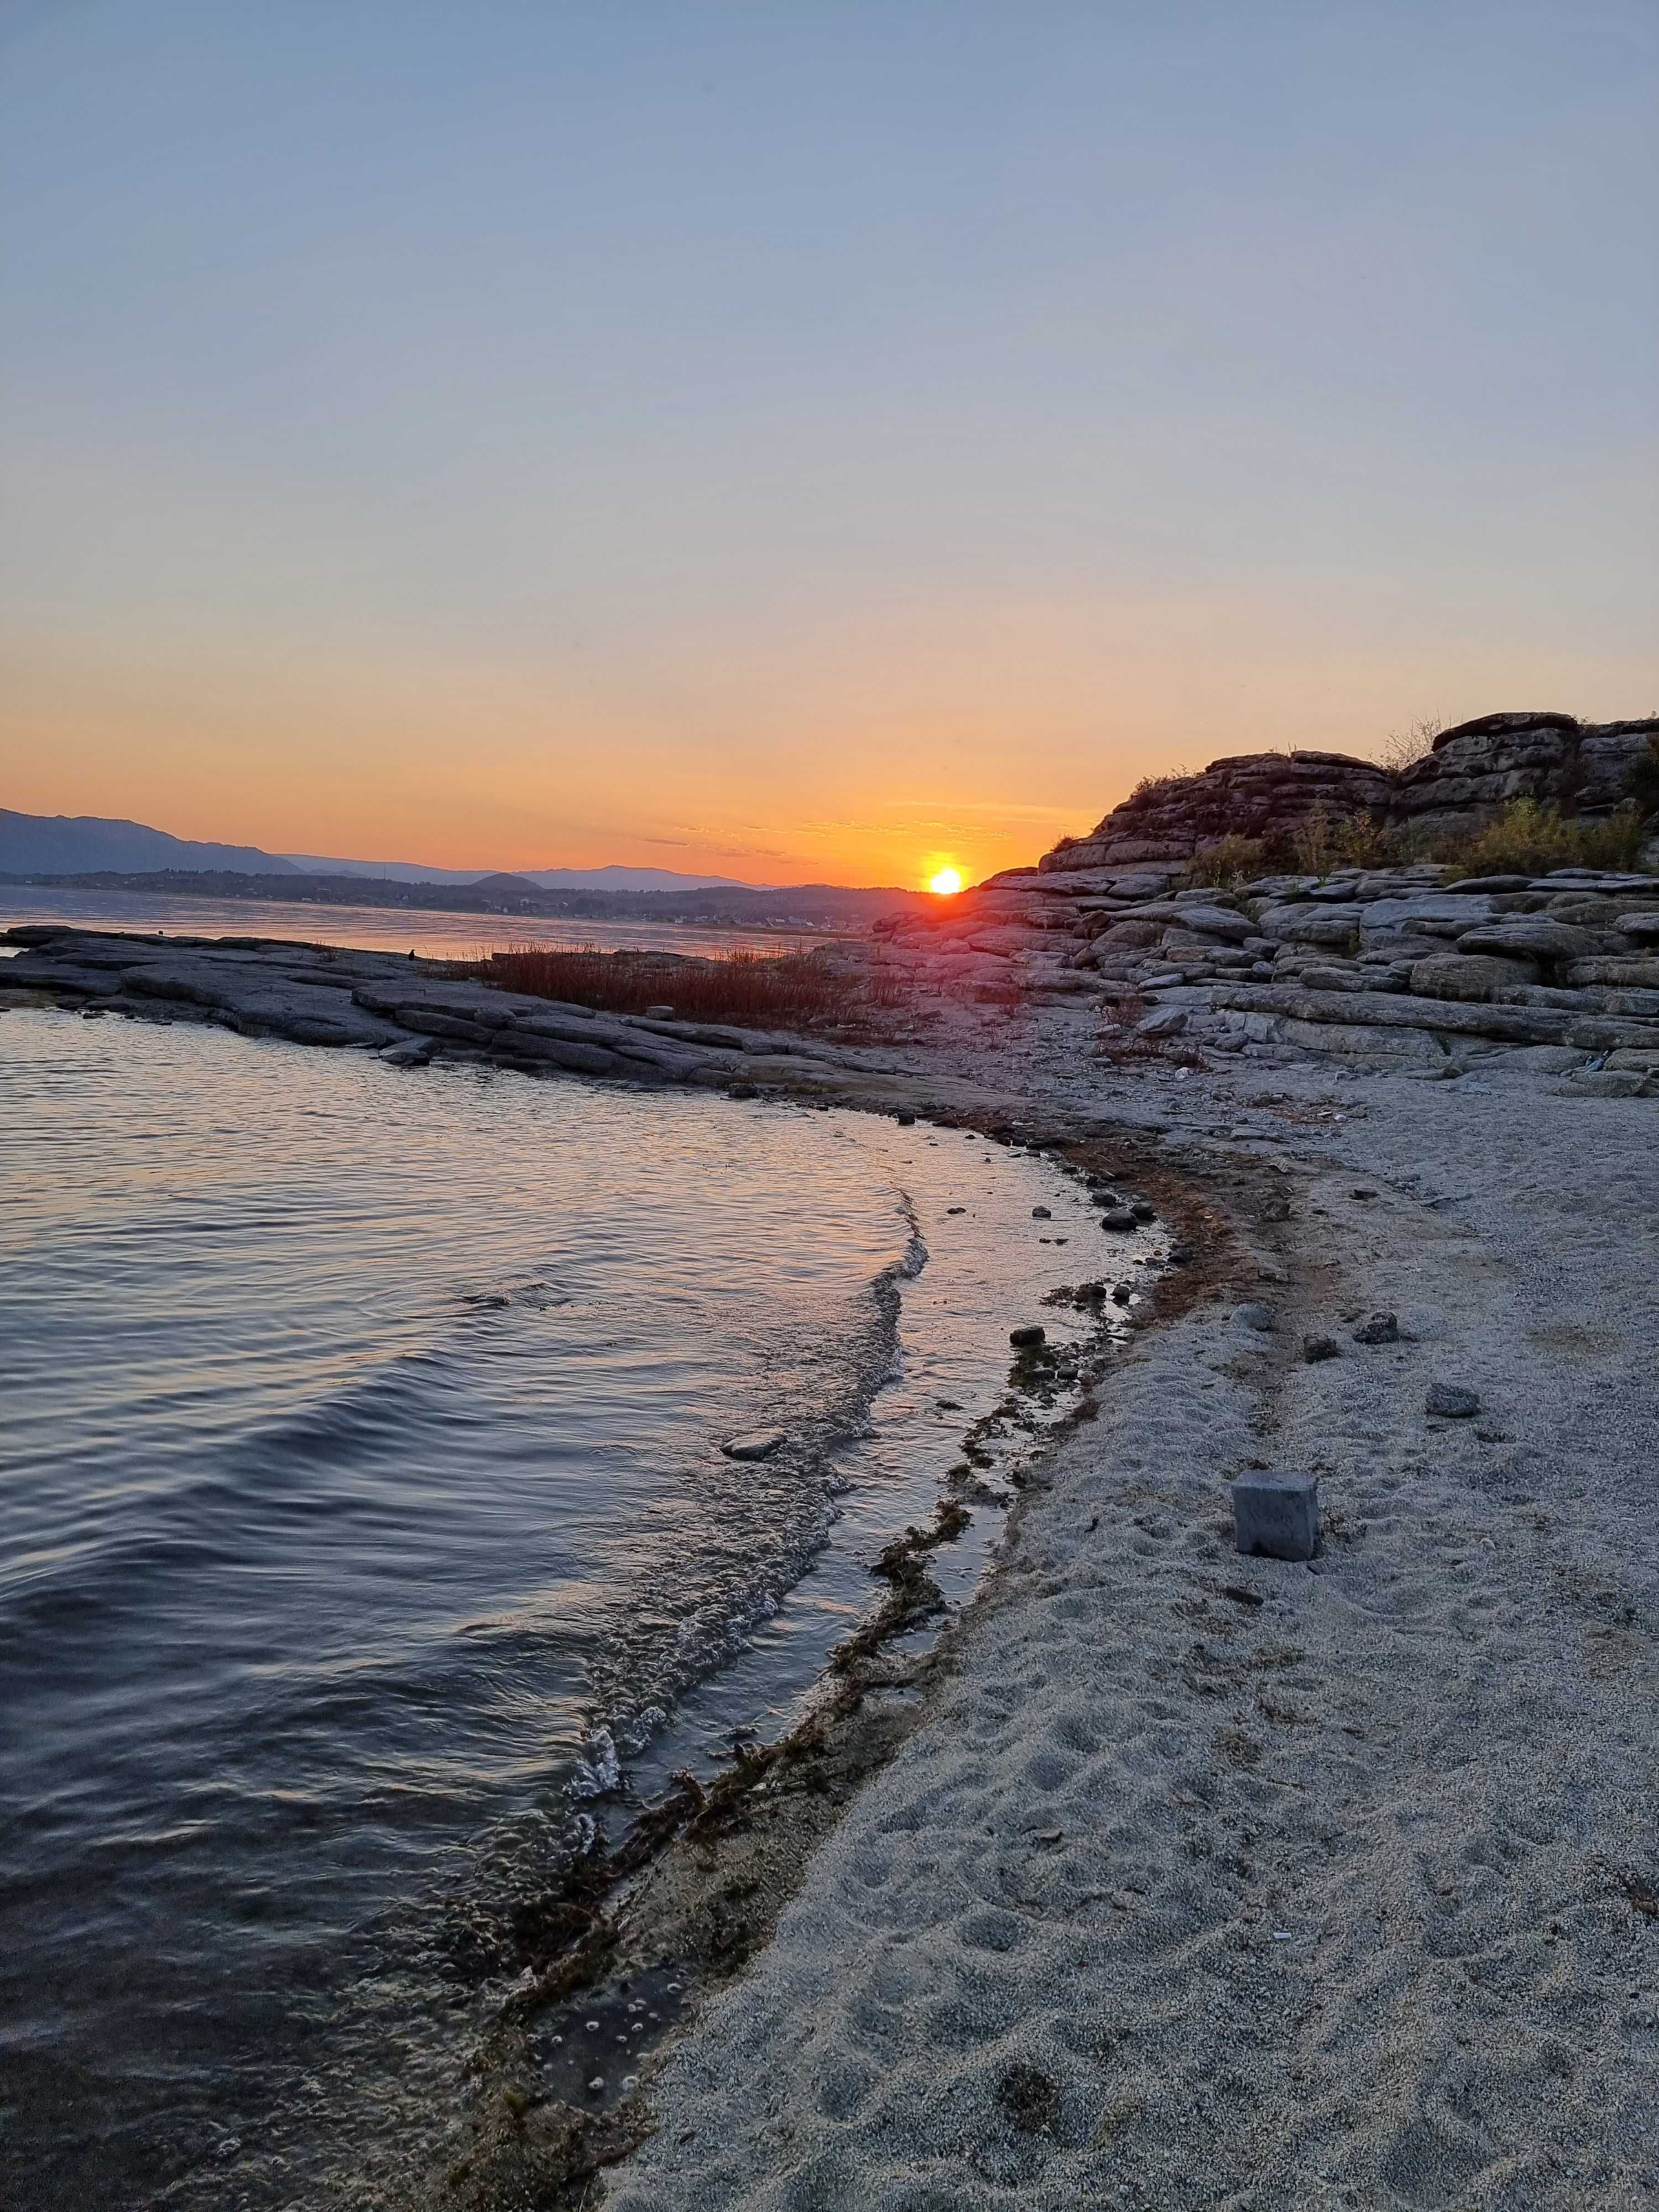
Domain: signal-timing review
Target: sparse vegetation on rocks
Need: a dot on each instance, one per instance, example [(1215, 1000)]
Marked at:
[(1532, 836), (815, 991)]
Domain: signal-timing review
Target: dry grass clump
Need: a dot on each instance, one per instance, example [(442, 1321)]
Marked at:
[(818, 990), (1227, 862), (1530, 836), (1324, 840), (1153, 787), (1403, 749)]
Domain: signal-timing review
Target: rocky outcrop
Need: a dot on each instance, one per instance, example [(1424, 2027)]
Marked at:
[(408, 1011), (1261, 796), (1380, 961), (1473, 770)]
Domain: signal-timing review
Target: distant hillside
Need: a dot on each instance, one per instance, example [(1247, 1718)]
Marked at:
[(85, 846), (78, 844), (611, 878), (786, 906)]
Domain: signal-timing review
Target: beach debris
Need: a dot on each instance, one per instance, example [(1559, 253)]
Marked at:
[(1381, 1329), (1320, 1346), (1256, 1316), (1276, 1513), (759, 1443), (1451, 1401), (1024, 1338)]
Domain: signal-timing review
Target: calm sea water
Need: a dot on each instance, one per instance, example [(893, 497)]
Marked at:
[(371, 929), (362, 1511)]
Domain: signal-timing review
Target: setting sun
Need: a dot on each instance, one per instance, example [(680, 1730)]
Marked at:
[(946, 881)]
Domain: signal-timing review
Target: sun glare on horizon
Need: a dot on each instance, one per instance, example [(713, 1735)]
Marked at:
[(945, 882)]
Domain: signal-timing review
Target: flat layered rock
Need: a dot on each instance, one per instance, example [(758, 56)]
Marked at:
[(1377, 1010), (1535, 937), (1470, 976)]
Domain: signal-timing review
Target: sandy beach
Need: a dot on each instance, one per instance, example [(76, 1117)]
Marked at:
[(1209, 1881)]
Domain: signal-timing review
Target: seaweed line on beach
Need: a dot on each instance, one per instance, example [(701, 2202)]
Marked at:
[(695, 1886)]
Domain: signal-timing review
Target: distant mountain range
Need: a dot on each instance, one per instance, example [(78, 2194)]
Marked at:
[(90, 844), (79, 844), (95, 854), (611, 878)]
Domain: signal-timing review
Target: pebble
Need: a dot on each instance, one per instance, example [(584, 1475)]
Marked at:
[(1143, 1211), (759, 1443), (1451, 1401), (1120, 1219), (1381, 1329), (1041, 1214), (1021, 1339), (1315, 1348), (1256, 1316)]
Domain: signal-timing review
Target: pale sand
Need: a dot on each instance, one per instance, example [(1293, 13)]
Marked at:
[(1429, 1765)]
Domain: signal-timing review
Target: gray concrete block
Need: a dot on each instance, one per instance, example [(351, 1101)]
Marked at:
[(1277, 1514)]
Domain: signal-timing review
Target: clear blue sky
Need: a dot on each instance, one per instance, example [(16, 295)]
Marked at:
[(803, 438)]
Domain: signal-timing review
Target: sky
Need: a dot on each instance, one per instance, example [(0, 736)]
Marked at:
[(804, 441)]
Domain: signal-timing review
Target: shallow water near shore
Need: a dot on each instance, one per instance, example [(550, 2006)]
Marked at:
[(365, 1530), (431, 932)]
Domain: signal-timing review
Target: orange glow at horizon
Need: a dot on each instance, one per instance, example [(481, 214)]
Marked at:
[(946, 883)]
